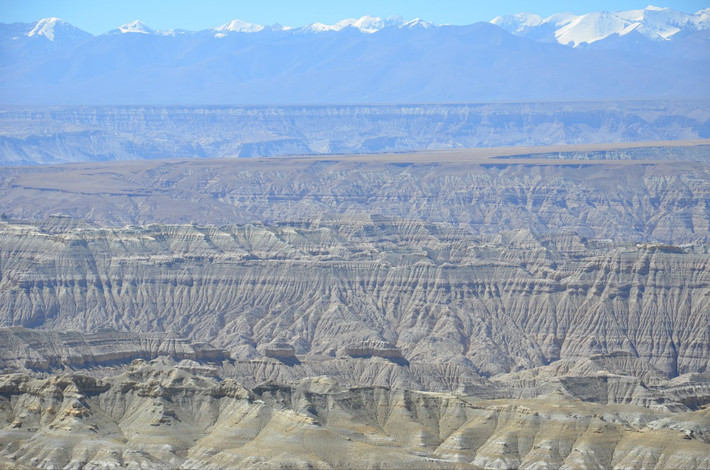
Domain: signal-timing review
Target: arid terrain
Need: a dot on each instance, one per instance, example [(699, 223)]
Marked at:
[(504, 308), (354, 235)]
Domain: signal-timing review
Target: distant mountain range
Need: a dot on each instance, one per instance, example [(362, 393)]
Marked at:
[(565, 28), (649, 53)]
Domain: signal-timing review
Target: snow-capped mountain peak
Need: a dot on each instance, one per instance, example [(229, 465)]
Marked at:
[(317, 27), (53, 28), (135, 26), (592, 27), (565, 28), (237, 26), (366, 24)]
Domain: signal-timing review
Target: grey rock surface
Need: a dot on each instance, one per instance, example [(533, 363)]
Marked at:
[(279, 350)]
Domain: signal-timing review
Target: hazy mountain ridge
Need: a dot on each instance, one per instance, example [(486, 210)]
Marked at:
[(654, 22), (360, 61)]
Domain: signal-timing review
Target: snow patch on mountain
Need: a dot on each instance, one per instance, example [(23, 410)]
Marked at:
[(45, 27), (366, 24), (703, 19), (417, 23), (138, 27)]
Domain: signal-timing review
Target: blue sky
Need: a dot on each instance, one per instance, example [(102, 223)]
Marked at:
[(99, 16)]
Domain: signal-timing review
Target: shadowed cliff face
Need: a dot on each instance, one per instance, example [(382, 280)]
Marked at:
[(493, 304)]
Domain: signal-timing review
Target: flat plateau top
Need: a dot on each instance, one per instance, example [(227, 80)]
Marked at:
[(143, 177), (495, 154), (478, 155)]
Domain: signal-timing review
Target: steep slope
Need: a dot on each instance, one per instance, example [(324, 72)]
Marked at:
[(36, 350)]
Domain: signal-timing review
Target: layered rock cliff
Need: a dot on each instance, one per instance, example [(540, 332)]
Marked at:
[(493, 304), (50, 351)]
